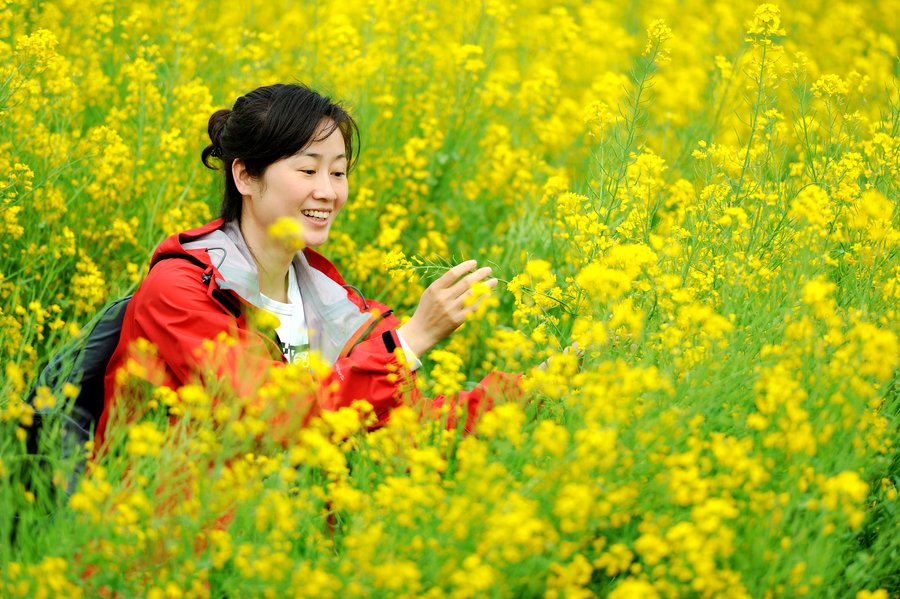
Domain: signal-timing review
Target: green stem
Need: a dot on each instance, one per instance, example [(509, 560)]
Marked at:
[(760, 87)]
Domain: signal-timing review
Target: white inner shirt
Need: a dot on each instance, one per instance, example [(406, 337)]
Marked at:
[(292, 331)]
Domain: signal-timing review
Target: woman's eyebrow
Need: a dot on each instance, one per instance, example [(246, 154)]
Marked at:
[(317, 155)]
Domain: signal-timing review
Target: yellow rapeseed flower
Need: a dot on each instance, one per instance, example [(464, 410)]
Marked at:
[(289, 232)]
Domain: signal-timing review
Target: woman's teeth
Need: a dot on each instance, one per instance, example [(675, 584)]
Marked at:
[(320, 214)]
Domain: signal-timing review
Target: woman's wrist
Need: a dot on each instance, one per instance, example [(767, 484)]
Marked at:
[(412, 359), (417, 340)]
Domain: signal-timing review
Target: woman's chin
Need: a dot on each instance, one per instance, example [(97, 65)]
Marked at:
[(314, 241)]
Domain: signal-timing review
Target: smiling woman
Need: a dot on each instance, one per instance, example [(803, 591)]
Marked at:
[(285, 152)]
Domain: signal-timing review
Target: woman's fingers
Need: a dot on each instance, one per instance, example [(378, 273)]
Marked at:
[(449, 278), (464, 285), (454, 280)]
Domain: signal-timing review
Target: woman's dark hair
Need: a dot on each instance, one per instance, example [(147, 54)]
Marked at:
[(268, 124)]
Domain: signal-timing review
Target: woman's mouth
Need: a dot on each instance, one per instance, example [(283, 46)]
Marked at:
[(319, 217)]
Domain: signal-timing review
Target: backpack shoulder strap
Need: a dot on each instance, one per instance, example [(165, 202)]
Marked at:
[(225, 300)]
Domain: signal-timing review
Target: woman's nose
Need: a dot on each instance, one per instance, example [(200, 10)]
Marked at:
[(324, 188)]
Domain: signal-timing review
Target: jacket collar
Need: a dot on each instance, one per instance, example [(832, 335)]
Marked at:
[(332, 319)]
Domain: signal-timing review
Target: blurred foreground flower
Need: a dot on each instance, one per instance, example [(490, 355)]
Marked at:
[(288, 231)]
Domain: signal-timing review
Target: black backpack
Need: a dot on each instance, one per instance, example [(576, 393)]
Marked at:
[(82, 362), (62, 430)]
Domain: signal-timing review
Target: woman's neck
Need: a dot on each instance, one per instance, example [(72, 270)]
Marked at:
[(272, 263)]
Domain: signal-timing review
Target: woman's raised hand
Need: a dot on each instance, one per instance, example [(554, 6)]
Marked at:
[(442, 308)]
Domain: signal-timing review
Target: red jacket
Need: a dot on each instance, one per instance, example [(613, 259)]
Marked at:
[(186, 301)]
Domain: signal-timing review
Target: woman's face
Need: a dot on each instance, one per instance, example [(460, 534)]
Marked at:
[(310, 186)]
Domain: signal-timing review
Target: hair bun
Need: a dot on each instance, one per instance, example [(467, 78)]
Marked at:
[(216, 126)]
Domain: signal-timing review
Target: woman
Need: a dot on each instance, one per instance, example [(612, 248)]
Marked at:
[(285, 152)]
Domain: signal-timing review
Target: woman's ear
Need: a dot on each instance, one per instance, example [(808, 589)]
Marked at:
[(244, 181)]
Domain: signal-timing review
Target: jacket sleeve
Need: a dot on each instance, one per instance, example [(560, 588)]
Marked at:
[(373, 372), (472, 404)]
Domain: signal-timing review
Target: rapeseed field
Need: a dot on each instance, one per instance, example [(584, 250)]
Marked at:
[(703, 196)]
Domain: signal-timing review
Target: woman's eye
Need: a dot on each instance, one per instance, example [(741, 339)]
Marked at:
[(339, 174), (307, 171)]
